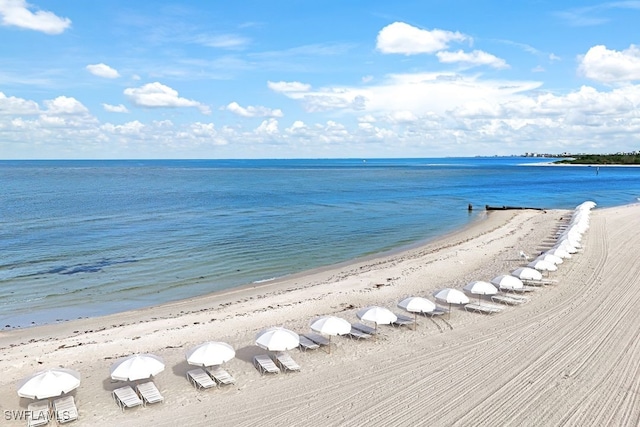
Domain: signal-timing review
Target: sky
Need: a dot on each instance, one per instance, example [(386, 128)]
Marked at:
[(189, 79)]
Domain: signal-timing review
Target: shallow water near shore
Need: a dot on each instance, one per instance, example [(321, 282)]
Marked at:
[(86, 238)]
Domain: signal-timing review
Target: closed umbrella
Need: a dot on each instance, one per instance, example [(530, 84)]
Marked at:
[(137, 367), (417, 305), (49, 383), (451, 296), (277, 339), (210, 353)]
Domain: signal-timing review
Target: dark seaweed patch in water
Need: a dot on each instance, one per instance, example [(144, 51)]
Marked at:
[(87, 268)]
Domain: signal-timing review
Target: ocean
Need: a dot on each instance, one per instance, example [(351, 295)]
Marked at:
[(88, 238)]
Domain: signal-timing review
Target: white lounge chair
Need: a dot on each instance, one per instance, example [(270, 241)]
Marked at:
[(264, 364), (149, 392), (39, 414), (200, 379), (65, 409), (508, 299), (285, 362), (221, 376), (307, 344), (483, 308), (125, 397)]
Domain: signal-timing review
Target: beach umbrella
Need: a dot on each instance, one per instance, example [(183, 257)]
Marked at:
[(49, 383), (541, 265), (210, 354), (480, 287), (277, 339), (507, 282), (526, 273), (377, 315), (136, 367), (417, 305), (559, 252), (451, 296), (331, 325), (553, 259)]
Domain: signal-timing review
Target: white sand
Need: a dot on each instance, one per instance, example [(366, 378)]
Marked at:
[(570, 356)]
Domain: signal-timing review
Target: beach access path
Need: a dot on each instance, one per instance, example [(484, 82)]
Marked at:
[(570, 356)]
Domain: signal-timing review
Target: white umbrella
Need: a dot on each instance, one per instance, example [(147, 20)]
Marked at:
[(480, 287), (137, 367), (49, 383), (541, 265), (526, 273), (377, 315), (451, 296), (210, 354), (417, 305), (559, 252), (507, 282), (277, 339), (331, 325), (553, 259)]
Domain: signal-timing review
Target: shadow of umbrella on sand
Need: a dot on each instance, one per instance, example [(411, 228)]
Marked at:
[(451, 296)]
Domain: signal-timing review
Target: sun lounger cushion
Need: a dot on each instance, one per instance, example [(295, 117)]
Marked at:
[(317, 338), (149, 392), (506, 299), (65, 409), (483, 308), (359, 335), (200, 379), (264, 364), (38, 413), (307, 344), (221, 376), (286, 363), (125, 397), (403, 320), (364, 328)]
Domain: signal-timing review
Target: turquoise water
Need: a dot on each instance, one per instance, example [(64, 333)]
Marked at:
[(85, 238)]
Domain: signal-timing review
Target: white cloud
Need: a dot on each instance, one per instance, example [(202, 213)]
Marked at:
[(103, 70), (268, 127), (223, 41), (251, 111), (10, 105), (288, 86), (406, 39), (476, 57), (115, 108), (64, 105), (16, 13), (157, 95), (611, 66)]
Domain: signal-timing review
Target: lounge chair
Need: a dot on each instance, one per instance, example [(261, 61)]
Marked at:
[(65, 409), (364, 328), (403, 320), (359, 335), (317, 338), (264, 364), (221, 376), (436, 312), (39, 414), (285, 362), (149, 392), (125, 397), (483, 308), (508, 299), (307, 344), (200, 379)]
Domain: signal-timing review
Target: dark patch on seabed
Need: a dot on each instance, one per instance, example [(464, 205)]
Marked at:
[(86, 268)]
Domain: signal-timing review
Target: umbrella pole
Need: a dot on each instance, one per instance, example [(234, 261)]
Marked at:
[(449, 314), (415, 320)]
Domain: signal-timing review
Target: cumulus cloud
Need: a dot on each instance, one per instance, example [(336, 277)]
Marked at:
[(268, 127), (406, 39), (288, 86), (10, 105), (103, 70), (17, 13), (63, 105), (157, 95), (251, 111), (474, 58), (610, 66), (115, 108)]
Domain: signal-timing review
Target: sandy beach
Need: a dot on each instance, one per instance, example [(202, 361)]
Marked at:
[(569, 356)]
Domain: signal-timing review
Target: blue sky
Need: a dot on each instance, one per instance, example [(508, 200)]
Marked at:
[(301, 79)]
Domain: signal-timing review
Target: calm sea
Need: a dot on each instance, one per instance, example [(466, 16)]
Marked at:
[(85, 238)]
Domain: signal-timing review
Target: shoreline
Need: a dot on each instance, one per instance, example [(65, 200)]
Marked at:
[(551, 350)]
